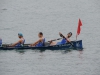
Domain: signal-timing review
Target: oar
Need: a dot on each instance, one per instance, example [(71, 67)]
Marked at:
[(55, 39), (11, 44), (61, 35)]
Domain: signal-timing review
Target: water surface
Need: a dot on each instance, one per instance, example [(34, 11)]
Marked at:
[(50, 17)]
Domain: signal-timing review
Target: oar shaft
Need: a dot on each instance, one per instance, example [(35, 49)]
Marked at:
[(55, 39)]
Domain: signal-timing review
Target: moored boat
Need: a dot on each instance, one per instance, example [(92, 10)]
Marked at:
[(72, 45)]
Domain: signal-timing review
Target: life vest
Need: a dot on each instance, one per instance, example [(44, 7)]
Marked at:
[(40, 44)]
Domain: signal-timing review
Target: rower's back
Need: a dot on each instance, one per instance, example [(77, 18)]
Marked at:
[(21, 43), (41, 43), (22, 40)]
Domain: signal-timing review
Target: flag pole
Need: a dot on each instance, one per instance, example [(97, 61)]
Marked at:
[(76, 37)]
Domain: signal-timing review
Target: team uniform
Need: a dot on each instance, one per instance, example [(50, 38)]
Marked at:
[(21, 44), (63, 41), (40, 44)]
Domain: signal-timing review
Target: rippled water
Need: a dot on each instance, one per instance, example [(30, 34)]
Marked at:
[(50, 17)]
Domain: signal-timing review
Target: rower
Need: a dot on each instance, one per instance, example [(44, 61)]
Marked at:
[(40, 42), (64, 39), (0, 42), (20, 42)]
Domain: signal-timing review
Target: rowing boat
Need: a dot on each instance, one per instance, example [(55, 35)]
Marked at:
[(73, 45)]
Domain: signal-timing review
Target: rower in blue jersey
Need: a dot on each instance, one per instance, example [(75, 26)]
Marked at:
[(40, 42), (0, 42), (64, 39), (20, 42)]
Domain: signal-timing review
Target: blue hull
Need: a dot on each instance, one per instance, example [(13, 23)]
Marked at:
[(75, 45)]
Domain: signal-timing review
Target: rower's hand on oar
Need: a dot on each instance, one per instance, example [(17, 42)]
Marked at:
[(31, 45), (8, 45), (61, 35), (50, 41)]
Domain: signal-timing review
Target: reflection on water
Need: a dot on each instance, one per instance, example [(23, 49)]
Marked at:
[(23, 51), (80, 54), (41, 51)]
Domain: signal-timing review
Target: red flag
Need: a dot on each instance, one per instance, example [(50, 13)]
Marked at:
[(79, 28)]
